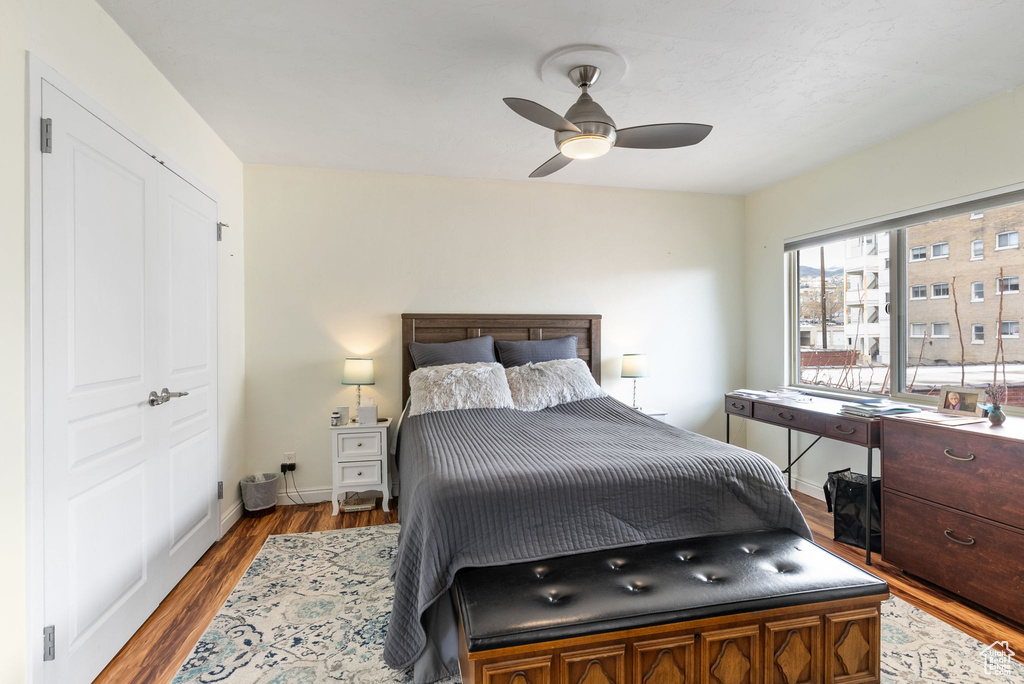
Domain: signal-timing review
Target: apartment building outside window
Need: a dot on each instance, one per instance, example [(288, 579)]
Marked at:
[(864, 337)]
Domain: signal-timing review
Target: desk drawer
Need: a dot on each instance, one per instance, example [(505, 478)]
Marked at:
[(356, 444), (353, 474), (738, 406), (848, 430), (790, 417), (985, 566), (956, 468)]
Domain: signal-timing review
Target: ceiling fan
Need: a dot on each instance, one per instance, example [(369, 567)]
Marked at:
[(587, 132)]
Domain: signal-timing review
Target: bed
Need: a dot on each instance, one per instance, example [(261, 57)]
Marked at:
[(495, 486)]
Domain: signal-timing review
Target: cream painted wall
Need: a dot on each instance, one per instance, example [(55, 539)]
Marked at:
[(977, 149), (333, 258), (80, 41)]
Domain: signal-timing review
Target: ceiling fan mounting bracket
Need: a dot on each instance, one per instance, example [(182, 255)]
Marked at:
[(561, 62), (584, 76)]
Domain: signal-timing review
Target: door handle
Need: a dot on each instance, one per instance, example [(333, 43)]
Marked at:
[(164, 396)]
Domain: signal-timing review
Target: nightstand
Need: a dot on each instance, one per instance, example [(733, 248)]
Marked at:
[(655, 413), (360, 460)]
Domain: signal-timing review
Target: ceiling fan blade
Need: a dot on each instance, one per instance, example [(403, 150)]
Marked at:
[(551, 165), (661, 136), (539, 114)]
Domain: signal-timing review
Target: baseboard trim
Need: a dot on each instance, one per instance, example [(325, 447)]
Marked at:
[(808, 488), (233, 515), (312, 495)]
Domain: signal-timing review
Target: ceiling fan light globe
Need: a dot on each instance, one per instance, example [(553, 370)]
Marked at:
[(585, 146)]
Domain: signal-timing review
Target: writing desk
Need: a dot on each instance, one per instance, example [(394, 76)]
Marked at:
[(815, 416)]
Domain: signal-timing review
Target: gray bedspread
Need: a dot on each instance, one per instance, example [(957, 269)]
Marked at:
[(493, 486)]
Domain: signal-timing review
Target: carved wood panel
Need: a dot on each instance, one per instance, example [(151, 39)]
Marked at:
[(852, 654), (594, 666), (731, 656), (523, 671), (665, 661), (792, 651)]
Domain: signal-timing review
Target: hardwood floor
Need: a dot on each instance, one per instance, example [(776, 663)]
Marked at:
[(156, 651)]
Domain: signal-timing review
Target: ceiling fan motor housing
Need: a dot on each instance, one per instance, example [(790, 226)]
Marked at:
[(590, 118)]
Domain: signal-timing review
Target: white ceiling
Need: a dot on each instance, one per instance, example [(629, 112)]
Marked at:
[(415, 86)]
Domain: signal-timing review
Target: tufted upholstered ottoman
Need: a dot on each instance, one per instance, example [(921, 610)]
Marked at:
[(754, 608)]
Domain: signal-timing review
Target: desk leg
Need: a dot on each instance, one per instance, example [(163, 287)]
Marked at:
[(867, 513), (726, 428), (789, 458)]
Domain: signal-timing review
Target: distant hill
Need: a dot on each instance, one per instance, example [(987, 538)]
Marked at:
[(829, 272)]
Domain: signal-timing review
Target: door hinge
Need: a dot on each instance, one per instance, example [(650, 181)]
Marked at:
[(220, 489), (46, 136), (220, 230), (49, 644)]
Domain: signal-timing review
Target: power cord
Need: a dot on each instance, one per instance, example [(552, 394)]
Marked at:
[(296, 487)]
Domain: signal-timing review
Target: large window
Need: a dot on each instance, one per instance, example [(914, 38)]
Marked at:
[(858, 335)]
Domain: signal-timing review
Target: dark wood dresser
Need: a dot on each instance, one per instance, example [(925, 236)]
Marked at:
[(953, 508)]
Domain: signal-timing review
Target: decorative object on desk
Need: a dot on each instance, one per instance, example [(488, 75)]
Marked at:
[(634, 366), (357, 372), (343, 414), (995, 411), (961, 401), (368, 412)]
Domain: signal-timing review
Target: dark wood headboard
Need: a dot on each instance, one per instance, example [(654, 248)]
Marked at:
[(452, 327)]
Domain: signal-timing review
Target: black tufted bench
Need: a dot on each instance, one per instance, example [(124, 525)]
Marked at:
[(745, 608)]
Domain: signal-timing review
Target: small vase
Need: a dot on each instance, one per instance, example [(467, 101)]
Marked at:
[(996, 416)]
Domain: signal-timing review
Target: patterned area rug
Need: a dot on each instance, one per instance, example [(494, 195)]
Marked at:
[(313, 608)]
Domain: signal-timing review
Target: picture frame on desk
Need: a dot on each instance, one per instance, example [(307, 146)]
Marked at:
[(962, 401)]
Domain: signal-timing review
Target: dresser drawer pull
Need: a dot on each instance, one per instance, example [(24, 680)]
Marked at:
[(786, 416), (738, 407), (949, 452), (950, 537), (844, 431)]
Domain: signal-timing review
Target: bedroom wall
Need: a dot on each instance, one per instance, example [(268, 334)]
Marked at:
[(976, 149), (334, 257), (79, 40)]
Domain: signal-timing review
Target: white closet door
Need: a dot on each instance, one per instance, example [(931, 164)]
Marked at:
[(118, 530)]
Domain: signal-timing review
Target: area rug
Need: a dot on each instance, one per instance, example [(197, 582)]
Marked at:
[(313, 608)]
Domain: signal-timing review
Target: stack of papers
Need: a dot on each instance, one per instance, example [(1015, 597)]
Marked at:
[(757, 394), (944, 419), (875, 409)]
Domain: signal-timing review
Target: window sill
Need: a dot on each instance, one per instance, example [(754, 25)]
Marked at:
[(941, 297), (977, 341), (944, 256), (1000, 249), (940, 337), (1010, 292), (977, 301), (981, 258)]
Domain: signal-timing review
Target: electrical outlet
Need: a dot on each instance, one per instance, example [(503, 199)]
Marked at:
[(289, 457), (286, 467)]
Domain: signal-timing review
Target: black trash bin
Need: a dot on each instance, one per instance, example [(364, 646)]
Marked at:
[(846, 496)]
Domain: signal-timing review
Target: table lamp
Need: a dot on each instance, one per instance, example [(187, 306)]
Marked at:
[(634, 366), (358, 372)]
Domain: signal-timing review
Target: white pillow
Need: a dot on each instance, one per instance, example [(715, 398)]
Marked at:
[(537, 386), (458, 386)]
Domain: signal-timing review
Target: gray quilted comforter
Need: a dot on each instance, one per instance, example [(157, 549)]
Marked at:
[(494, 486)]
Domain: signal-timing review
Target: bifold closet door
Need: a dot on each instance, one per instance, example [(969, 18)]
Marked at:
[(128, 307)]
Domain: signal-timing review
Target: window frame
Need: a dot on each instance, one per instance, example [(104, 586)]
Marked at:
[(1008, 232), (911, 335), (977, 257), (910, 253), (935, 296), (931, 250), (937, 336), (1012, 336), (982, 297), (999, 285), (923, 297), (975, 327)]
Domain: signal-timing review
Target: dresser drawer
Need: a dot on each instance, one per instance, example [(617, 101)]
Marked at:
[(849, 430), (960, 469), (358, 444), (986, 566), (738, 406), (352, 474), (786, 416)]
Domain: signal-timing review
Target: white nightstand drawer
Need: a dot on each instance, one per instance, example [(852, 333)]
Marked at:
[(359, 444), (358, 473)]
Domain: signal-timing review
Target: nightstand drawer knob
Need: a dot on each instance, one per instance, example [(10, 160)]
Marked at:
[(359, 473), (359, 444)]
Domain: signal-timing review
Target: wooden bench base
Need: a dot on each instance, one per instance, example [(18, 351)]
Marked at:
[(838, 642)]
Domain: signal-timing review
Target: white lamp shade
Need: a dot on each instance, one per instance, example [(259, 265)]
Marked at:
[(634, 365), (357, 372)]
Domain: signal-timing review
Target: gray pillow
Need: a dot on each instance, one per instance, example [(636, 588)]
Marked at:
[(473, 350), (535, 351)]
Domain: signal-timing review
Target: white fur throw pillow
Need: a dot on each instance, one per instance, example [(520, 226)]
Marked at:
[(537, 386), (458, 386)]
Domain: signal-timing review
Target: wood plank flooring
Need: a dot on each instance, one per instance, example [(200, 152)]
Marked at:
[(157, 650)]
